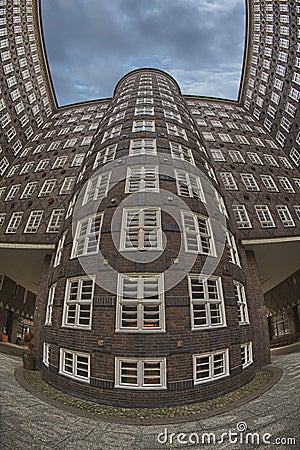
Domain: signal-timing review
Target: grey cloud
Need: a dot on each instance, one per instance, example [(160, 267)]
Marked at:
[(91, 44)]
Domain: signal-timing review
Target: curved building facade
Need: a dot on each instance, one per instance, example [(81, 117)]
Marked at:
[(157, 231)]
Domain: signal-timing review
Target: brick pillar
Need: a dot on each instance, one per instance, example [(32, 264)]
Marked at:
[(257, 313), (40, 309)]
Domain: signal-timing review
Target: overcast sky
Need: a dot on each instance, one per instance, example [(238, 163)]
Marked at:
[(91, 44)]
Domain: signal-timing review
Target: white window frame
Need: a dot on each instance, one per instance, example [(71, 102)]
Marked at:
[(189, 185), (209, 304), (87, 236), (246, 354), (181, 152), (97, 188), (142, 178), (15, 222), (50, 303), (212, 376), (34, 221), (264, 216), (105, 155), (249, 182), (46, 354), (228, 181), (233, 254), (137, 314), (77, 305), (47, 188), (241, 302), (241, 216), (203, 240), (140, 230), (55, 221), (140, 365), (285, 216), (75, 356), (59, 250)]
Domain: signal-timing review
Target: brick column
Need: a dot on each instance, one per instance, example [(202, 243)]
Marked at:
[(40, 308), (257, 312)]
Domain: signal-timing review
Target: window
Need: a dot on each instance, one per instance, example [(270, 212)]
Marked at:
[(14, 222), (149, 110), (12, 192), (236, 156), (87, 236), (246, 354), (2, 219), (53, 146), (141, 229), (295, 156), (241, 301), (285, 162), (285, 183), (60, 162), (55, 221), (50, 302), (241, 216), (78, 159), (297, 182), (210, 366), (242, 139), (142, 178), (255, 158), (297, 211), (47, 188), (174, 130), (228, 180), (67, 185), (189, 185), (285, 216), (143, 125), (197, 234), (46, 354), (180, 152), (140, 303), (4, 164), (207, 303), (217, 154), (269, 183), (264, 216), (97, 188), (74, 364), (249, 181), (113, 132), (142, 146), (208, 136), (78, 301), (140, 373), (42, 165), (59, 250), (33, 222), (225, 137), (105, 155), (271, 160), (232, 251), (172, 115)]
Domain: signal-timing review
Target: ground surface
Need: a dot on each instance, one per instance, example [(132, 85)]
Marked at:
[(28, 423)]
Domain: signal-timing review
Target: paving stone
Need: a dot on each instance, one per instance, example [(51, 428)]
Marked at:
[(28, 423)]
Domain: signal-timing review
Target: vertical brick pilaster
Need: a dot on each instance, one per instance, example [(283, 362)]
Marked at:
[(257, 312), (39, 312)]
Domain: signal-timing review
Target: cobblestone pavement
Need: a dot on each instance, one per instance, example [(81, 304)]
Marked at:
[(27, 423)]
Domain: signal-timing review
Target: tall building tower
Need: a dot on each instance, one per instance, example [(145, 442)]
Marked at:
[(147, 291), (150, 235)]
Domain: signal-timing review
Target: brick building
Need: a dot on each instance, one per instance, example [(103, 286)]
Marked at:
[(157, 231)]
